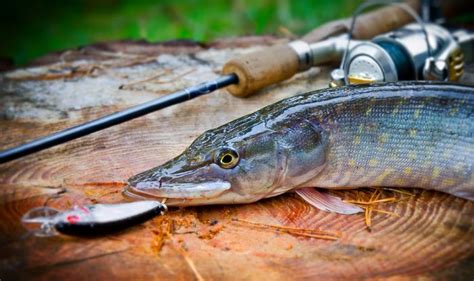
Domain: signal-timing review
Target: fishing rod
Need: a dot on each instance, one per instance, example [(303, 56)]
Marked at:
[(242, 76), (116, 118)]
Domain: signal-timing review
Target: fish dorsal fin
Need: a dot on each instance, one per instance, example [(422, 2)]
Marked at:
[(327, 202)]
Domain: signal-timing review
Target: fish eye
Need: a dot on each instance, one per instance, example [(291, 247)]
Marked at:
[(228, 158)]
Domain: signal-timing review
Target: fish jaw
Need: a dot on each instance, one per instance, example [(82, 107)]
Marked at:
[(224, 197), (205, 190)]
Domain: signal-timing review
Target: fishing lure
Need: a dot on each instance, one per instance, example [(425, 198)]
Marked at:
[(90, 220)]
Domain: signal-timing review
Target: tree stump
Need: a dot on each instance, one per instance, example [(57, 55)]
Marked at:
[(422, 234)]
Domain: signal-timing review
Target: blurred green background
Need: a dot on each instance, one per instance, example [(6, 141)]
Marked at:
[(30, 29)]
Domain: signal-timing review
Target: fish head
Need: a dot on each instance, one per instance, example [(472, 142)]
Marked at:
[(225, 166)]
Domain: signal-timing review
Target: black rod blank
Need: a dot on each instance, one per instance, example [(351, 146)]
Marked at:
[(116, 118)]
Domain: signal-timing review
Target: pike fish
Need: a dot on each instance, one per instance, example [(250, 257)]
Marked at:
[(405, 134)]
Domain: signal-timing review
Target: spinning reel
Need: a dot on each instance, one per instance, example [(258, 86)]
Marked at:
[(417, 51), (414, 52)]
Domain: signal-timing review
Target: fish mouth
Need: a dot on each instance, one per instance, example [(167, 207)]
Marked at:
[(176, 193)]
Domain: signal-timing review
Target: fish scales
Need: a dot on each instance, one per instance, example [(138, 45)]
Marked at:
[(424, 140), (406, 134)]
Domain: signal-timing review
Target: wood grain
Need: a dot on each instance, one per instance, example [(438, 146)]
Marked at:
[(428, 235)]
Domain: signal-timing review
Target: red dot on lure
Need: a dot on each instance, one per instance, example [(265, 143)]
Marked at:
[(72, 219)]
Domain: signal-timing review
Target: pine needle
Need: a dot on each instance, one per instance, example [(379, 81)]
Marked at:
[(188, 259), (312, 233), (369, 205), (176, 77), (384, 200), (368, 209), (153, 77), (399, 191), (386, 212)]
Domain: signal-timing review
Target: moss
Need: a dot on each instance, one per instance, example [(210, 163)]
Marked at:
[(33, 28)]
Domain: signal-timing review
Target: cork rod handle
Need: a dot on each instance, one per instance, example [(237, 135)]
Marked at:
[(261, 68)]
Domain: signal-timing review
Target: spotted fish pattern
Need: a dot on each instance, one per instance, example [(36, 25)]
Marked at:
[(408, 135)]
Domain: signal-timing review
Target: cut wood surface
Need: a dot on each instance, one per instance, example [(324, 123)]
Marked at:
[(415, 235)]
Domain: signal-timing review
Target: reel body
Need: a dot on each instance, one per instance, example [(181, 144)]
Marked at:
[(406, 54)]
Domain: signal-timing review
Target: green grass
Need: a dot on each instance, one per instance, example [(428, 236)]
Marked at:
[(33, 28)]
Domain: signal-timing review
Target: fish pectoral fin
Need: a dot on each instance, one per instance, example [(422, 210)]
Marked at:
[(327, 202)]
